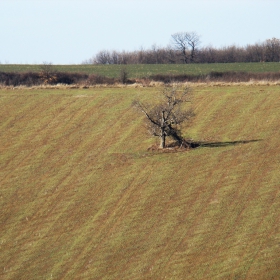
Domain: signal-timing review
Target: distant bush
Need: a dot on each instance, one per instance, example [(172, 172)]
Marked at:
[(17, 79), (175, 78), (229, 76), (99, 80), (123, 75), (34, 79), (70, 78)]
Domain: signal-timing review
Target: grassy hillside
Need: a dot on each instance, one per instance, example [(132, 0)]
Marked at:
[(144, 70), (82, 198)]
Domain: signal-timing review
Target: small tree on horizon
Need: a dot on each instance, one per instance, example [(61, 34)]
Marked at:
[(164, 119), (48, 73)]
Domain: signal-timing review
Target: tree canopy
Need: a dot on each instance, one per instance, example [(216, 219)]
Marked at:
[(164, 118)]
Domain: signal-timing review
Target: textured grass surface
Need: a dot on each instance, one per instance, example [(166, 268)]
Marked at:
[(144, 70), (82, 198)]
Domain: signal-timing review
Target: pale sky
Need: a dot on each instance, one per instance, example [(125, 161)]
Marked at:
[(72, 31)]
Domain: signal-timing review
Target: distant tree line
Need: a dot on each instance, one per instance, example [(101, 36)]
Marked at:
[(185, 49)]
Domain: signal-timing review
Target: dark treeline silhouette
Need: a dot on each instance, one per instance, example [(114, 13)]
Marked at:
[(267, 51)]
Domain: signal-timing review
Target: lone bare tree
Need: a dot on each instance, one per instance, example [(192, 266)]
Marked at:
[(182, 41), (164, 119), (48, 73)]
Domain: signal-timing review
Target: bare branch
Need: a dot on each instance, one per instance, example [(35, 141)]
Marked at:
[(141, 106), (163, 118), (182, 41)]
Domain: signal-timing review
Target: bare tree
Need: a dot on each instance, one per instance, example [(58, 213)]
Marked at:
[(272, 50), (123, 75), (164, 119), (48, 73), (103, 57), (182, 41)]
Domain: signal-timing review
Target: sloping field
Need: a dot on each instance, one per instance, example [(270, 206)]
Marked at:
[(82, 198)]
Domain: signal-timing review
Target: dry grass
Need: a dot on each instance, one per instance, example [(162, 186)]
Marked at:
[(146, 83), (82, 198)]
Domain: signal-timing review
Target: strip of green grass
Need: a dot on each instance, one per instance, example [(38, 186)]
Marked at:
[(144, 70)]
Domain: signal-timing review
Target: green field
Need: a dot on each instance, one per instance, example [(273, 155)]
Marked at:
[(82, 198), (144, 70)]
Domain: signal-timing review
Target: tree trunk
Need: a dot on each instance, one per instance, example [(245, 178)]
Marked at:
[(162, 132), (192, 55), (162, 141), (185, 55)]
